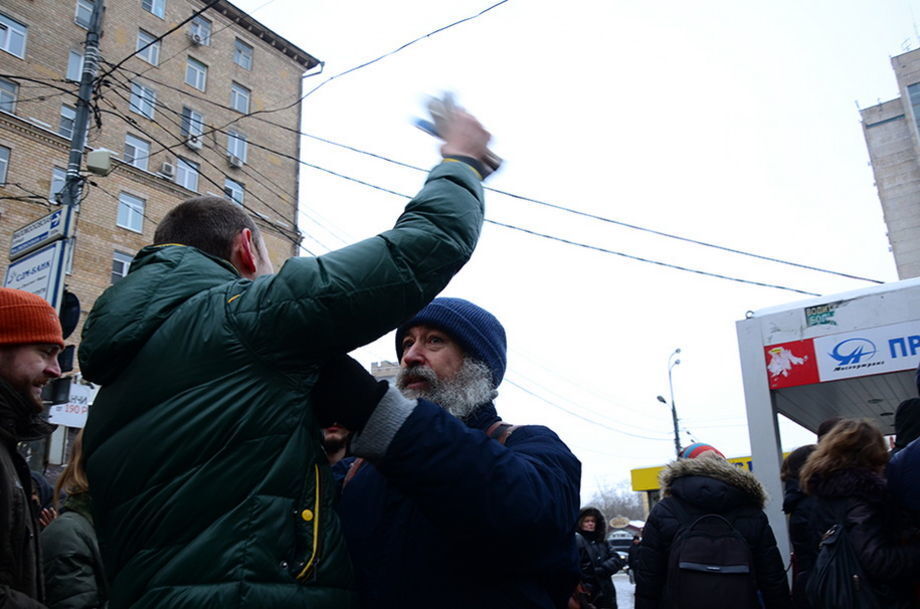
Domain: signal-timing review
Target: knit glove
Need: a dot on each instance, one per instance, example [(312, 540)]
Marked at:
[(346, 393)]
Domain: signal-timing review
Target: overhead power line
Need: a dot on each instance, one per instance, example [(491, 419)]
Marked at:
[(582, 417), (651, 261), (602, 218), (176, 27), (575, 243)]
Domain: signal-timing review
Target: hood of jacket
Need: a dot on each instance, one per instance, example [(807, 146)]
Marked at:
[(712, 483), (600, 528), (161, 278)]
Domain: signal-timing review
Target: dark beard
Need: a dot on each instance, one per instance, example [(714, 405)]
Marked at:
[(334, 444)]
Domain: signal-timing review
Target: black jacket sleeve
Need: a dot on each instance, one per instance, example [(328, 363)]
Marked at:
[(652, 557), (768, 567), (879, 555)]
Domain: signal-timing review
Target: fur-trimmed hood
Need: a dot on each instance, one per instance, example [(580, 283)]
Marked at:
[(600, 528), (712, 483)]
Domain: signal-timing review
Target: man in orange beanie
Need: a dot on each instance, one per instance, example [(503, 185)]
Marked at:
[(30, 340)]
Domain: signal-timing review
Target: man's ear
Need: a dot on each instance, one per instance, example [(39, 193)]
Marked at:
[(243, 254)]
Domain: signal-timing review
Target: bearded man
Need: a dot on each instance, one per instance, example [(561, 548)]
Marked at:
[(449, 506), (30, 340)]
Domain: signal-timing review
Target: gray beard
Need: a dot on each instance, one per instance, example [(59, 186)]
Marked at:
[(470, 387)]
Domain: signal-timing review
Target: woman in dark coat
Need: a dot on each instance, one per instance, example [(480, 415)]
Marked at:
[(800, 509), (845, 474), (597, 560), (74, 578), (703, 482)]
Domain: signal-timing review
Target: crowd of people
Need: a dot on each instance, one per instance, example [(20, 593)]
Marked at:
[(236, 456)]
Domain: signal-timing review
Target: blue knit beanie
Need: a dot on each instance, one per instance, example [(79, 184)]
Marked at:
[(476, 330)]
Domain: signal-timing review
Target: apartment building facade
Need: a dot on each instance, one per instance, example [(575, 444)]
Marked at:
[(893, 140), (209, 108)]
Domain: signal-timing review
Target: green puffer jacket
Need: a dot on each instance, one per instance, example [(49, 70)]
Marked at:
[(74, 578), (209, 482)]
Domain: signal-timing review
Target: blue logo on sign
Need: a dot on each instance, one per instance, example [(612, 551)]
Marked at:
[(853, 350)]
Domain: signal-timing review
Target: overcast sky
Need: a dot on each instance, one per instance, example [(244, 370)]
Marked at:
[(729, 122)]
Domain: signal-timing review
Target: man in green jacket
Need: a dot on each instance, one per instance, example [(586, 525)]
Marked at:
[(210, 485)]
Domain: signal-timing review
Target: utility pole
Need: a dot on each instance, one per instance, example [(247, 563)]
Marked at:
[(671, 363), (73, 184)]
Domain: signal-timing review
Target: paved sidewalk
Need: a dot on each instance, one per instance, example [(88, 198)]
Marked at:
[(626, 592)]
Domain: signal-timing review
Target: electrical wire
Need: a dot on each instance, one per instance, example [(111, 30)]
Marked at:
[(651, 261), (176, 27), (535, 201), (600, 218), (191, 45), (576, 243), (285, 232), (583, 418), (375, 60)]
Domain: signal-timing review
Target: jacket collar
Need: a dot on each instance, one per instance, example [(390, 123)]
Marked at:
[(18, 420), (482, 417)]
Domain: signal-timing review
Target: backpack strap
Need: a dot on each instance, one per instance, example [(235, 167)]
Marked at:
[(355, 466), (500, 431)]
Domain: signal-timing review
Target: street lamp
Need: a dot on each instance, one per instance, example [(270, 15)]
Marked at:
[(671, 363)]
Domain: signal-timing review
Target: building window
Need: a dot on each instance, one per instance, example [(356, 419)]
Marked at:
[(200, 31), (4, 163), (68, 118), (8, 91), (239, 98), (196, 74), (84, 13), (120, 265), (131, 212), (242, 54), (192, 122), (234, 191), (74, 66), (236, 145), (151, 53), (137, 151), (143, 100), (58, 180), (157, 7), (187, 174), (12, 36)]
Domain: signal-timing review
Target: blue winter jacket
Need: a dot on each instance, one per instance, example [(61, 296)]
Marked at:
[(903, 473), (441, 515)]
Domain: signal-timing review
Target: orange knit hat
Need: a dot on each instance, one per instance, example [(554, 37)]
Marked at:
[(27, 319)]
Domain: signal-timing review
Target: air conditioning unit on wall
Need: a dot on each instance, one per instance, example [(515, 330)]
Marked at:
[(194, 142), (196, 38), (168, 170), (235, 161)]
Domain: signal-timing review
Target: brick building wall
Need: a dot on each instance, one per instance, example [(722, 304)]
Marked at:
[(29, 131)]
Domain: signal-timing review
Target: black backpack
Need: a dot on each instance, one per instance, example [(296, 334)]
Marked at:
[(710, 565), (837, 580)]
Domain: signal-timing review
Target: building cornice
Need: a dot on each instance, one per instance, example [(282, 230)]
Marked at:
[(271, 38)]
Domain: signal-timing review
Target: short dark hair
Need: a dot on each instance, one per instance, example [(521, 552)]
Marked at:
[(792, 464), (827, 425), (208, 223)]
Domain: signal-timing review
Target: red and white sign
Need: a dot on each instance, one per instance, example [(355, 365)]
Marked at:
[(791, 364), (841, 356)]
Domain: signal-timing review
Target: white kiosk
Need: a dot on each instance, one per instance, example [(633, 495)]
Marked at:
[(853, 354)]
